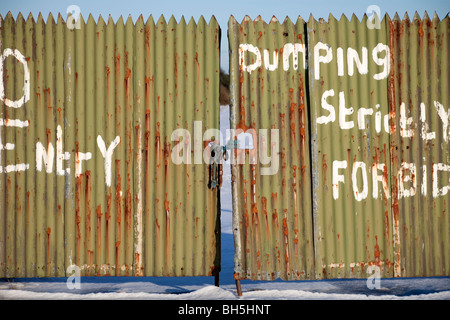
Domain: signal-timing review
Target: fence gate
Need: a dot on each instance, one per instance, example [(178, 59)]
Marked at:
[(347, 172), (271, 167), (102, 129)]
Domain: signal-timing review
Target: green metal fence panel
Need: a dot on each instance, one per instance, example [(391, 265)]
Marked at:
[(271, 170), (348, 76), (419, 102), (102, 136)]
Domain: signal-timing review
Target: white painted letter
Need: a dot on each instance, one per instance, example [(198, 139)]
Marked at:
[(436, 190), (11, 146), (379, 178), (11, 167), (107, 154), (26, 79), (294, 49), (424, 179), (381, 61), (404, 122), (423, 117), (340, 61), (80, 156), (337, 177), (332, 116), (267, 65), (352, 56), (47, 156), (343, 112), (445, 117), (318, 59), (377, 119), (362, 112), (248, 47), (60, 155), (402, 192)]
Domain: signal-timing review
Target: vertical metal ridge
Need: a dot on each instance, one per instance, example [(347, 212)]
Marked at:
[(179, 178), (139, 128), (420, 93), (150, 126)]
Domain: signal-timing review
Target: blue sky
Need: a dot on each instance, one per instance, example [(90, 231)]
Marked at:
[(222, 10)]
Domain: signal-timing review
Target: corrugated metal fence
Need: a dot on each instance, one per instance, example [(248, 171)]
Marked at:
[(359, 115), (88, 121), (341, 162)]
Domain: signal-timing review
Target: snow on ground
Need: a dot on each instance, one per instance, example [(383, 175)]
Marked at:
[(202, 288)]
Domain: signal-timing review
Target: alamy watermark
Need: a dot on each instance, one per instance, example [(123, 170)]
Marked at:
[(73, 20), (374, 280), (73, 281), (374, 16), (240, 146)]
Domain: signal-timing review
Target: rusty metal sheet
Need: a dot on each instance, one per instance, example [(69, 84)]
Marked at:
[(271, 171), (379, 103), (90, 169), (348, 77), (420, 158)]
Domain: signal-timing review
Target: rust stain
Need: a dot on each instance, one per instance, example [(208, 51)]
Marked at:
[(88, 208), (377, 252), (421, 29), (47, 94), (394, 188), (49, 137), (108, 74), (158, 145), (168, 247), (49, 261), (99, 227), (59, 114), (118, 212), (292, 113), (118, 64), (266, 218), (158, 228), (107, 219), (260, 35), (137, 258), (78, 216), (128, 210), (324, 169), (147, 91), (286, 242)]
